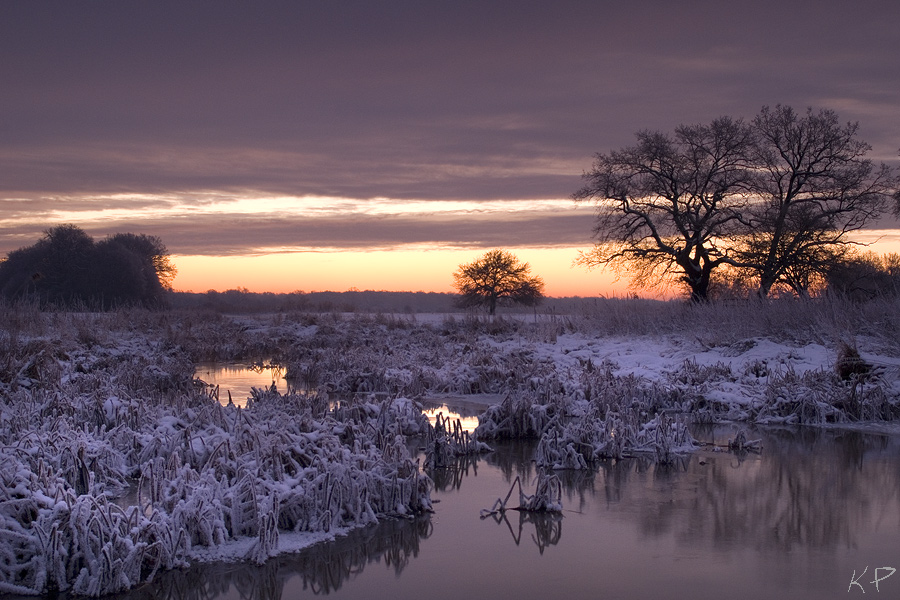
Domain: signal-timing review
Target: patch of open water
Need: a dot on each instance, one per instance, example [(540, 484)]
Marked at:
[(802, 519), (238, 379), (235, 381)]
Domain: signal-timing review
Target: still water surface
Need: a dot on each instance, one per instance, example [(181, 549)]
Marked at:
[(800, 520), (235, 381), (238, 379)]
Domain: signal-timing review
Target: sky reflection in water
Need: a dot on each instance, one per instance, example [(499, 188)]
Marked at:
[(239, 379)]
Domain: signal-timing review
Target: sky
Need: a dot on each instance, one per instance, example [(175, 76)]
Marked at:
[(324, 145)]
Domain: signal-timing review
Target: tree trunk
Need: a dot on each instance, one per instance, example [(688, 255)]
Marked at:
[(696, 276), (765, 285), (700, 288)]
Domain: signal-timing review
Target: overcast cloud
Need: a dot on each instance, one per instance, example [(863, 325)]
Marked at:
[(134, 107)]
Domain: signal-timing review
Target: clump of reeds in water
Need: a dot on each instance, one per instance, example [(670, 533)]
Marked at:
[(446, 441), (581, 442), (547, 496), (601, 416)]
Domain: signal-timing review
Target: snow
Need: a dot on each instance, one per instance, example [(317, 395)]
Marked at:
[(116, 464)]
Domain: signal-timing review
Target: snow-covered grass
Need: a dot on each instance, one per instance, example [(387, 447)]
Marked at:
[(86, 419), (116, 465)]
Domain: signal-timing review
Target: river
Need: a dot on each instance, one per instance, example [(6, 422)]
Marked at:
[(813, 515)]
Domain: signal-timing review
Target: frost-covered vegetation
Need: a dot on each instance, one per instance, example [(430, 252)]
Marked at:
[(547, 497), (116, 464)]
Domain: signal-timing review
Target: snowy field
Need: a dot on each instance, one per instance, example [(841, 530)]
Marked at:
[(118, 464)]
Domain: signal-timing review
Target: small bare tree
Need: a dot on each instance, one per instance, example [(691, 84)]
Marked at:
[(495, 278)]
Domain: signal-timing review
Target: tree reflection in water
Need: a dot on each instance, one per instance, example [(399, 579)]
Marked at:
[(809, 490), (547, 526)]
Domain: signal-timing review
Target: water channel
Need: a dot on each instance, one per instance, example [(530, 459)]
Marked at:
[(811, 516)]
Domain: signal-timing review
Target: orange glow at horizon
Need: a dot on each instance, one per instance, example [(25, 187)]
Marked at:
[(414, 270), (418, 269)]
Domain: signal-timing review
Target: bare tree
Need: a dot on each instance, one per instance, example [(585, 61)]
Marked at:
[(777, 201), (668, 205), (494, 278), (813, 187)]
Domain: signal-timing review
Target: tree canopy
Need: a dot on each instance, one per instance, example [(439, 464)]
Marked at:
[(668, 203), (495, 278), (813, 187), (66, 267), (774, 200)]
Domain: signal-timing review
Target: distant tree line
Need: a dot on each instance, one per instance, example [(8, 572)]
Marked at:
[(67, 268), (769, 205), (242, 300)]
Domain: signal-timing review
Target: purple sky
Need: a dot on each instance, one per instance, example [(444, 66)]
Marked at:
[(157, 111)]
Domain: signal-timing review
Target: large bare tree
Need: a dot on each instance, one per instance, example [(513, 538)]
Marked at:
[(776, 200), (669, 205), (813, 187)]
